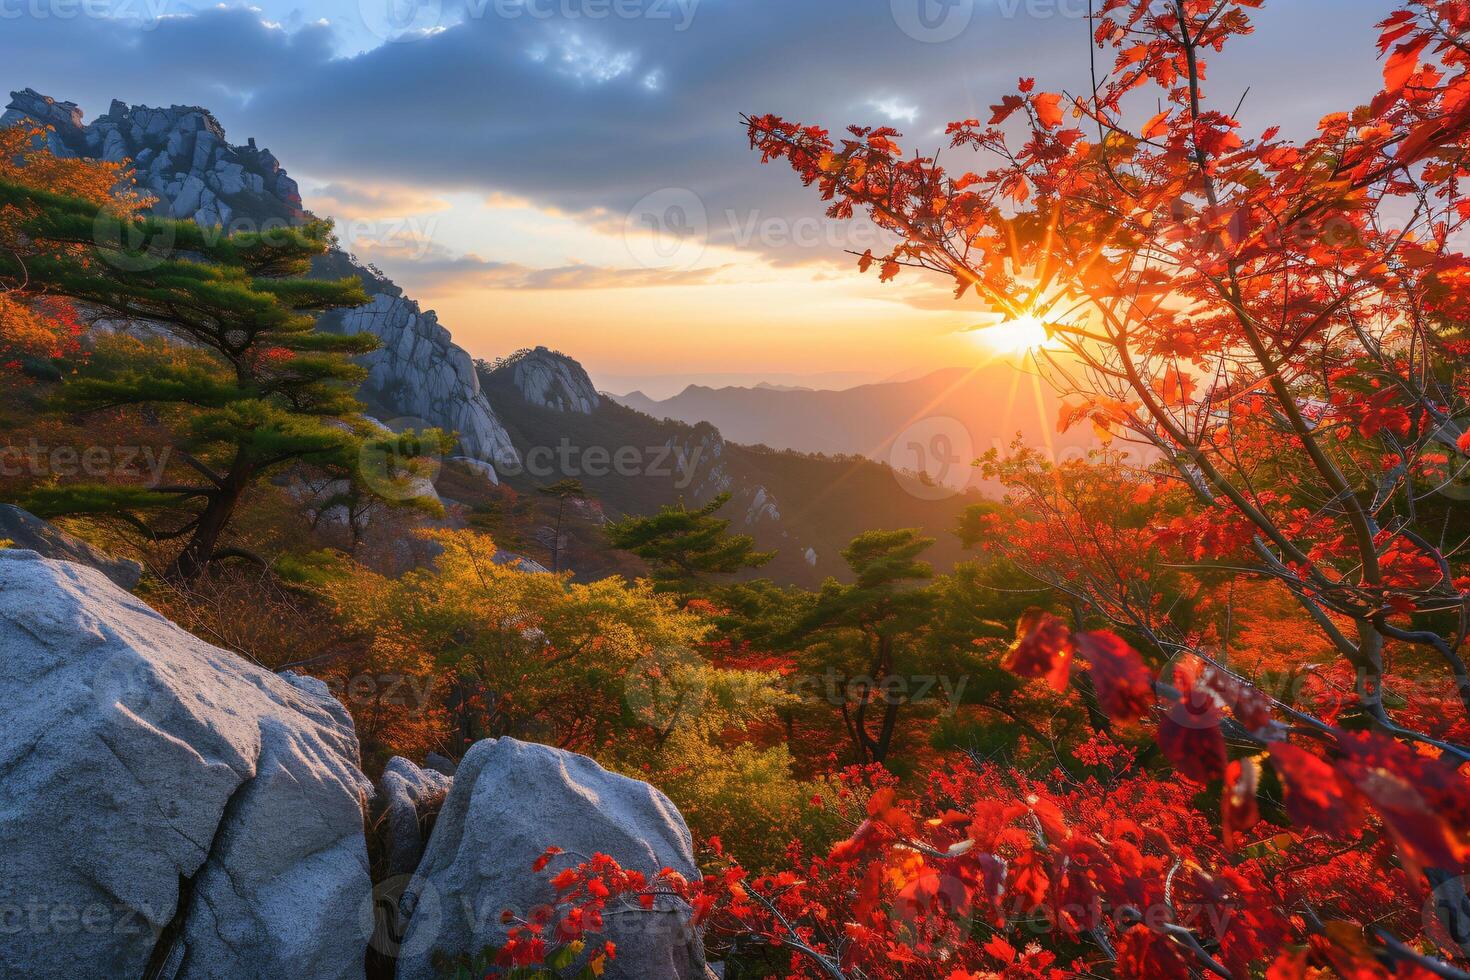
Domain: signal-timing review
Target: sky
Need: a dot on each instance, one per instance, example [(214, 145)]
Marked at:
[(574, 173)]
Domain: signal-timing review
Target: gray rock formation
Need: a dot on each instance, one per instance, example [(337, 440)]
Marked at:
[(511, 800), (165, 805), (477, 466), (407, 797), (181, 156), (419, 373), (761, 506), (26, 531), (700, 457), (547, 379), (520, 563)]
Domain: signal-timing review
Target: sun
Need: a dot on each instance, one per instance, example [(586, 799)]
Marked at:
[(1020, 335)]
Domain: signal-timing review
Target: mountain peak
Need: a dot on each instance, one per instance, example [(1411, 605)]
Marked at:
[(546, 378), (180, 155)]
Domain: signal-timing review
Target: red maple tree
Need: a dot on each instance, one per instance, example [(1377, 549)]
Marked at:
[(1281, 324)]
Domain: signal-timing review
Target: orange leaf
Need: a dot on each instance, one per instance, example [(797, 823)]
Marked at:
[(1008, 104), (1157, 126), (1048, 107), (1401, 64), (1031, 881)]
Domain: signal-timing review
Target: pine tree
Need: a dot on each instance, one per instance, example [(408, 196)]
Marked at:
[(875, 619), (562, 491), (252, 386), (685, 547)]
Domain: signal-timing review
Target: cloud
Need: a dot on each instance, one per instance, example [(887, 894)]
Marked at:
[(894, 109), (431, 267), (341, 199), (582, 131)]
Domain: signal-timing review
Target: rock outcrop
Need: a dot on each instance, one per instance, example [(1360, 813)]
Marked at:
[(510, 801), (168, 809), (419, 373), (172, 811), (547, 379), (407, 797), (182, 157), (700, 452), (26, 531), (520, 563)]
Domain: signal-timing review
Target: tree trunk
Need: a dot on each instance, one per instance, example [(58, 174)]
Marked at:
[(885, 732), (218, 511), (857, 725)]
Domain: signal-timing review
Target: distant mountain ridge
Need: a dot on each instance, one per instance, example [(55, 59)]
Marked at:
[(984, 408), (805, 508), (524, 407)]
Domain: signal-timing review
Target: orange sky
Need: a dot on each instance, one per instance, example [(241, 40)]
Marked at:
[(629, 311)]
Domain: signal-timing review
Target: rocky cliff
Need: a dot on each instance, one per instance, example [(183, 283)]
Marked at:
[(182, 157), (547, 379)]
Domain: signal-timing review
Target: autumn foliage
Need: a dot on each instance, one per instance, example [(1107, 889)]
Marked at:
[(33, 321), (1265, 587), (1231, 735)]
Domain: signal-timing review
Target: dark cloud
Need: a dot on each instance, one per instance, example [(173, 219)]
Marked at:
[(591, 115)]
